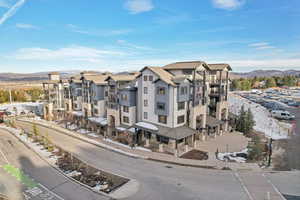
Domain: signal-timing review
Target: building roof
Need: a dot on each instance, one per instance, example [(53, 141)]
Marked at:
[(122, 77), (185, 65), (53, 73), (219, 67), (177, 133), (97, 79), (212, 121), (162, 74)]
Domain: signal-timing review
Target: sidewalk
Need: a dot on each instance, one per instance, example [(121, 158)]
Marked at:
[(211, 163)]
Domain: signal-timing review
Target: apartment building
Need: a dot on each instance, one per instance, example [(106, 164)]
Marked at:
[(168, 109), (121, 103), (54, 90)]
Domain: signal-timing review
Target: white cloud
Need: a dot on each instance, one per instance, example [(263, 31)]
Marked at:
[(228, 4), (129, 45), (26, 26), (138, 6), (12, 11), (72, 53), (258, 44), (103, 33), (4, 4), (262, 46)]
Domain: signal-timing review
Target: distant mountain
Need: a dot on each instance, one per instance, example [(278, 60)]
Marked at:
[(42, 76), (38, 76), (265, 73)]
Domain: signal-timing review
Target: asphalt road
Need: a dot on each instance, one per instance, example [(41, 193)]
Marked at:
[(161, 181), (18, 155)]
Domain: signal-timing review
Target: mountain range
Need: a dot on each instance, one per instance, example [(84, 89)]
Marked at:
[(42, 76)]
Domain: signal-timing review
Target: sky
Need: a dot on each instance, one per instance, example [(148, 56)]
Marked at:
[(119, 35)]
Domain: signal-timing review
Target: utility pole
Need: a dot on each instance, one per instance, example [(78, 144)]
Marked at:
[(10, 97)]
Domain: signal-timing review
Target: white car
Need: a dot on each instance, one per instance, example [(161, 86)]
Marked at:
[(281, 114)]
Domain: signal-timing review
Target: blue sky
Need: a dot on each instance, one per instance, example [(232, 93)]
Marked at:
[(117, 35)]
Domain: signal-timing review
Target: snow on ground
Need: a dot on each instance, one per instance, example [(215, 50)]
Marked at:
[(233, 156), (264, 122)]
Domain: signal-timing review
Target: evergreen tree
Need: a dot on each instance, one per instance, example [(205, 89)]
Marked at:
[(271, 82)]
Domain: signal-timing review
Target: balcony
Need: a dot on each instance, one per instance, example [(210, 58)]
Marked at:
[(217, 82)]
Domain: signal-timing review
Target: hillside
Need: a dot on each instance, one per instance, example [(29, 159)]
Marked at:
[(41, 76), (265, 73)]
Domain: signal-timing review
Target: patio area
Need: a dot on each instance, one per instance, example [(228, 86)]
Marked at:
[(231, 141)]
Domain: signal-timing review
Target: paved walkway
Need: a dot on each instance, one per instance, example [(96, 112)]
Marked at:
[(155, 156), (231, 142)]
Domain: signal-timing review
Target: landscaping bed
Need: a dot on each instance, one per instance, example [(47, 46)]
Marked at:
[(195, 155), (97, 179)]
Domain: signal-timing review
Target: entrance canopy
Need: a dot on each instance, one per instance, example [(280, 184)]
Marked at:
[(213, 122), (177, 133)]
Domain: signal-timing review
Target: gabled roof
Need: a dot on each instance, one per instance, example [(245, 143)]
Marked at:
[(162, 74), (185, 65), (122, 77), (97, 79), (219, 67)]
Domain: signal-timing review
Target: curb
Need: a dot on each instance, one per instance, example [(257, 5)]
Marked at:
[(56, 168), (82, 138), (79, 137)]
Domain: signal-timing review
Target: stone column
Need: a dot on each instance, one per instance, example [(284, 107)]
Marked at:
[(147, 142), (160, 147)]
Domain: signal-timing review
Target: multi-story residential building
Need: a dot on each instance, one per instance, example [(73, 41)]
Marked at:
[(218, 93), (54, 90), (121, 102), (168, 109)]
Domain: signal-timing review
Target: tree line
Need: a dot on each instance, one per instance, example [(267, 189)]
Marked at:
[(21, 95), (264, 82)]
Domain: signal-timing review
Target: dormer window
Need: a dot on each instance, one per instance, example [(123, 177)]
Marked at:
[(161, 90)]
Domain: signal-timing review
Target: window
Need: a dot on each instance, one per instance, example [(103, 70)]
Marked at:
[(181, 105), (181, 90), (160, 106), (126, 119), (124, 97), (145, 90), (161, 90), (145, 78), (95, 111), (145, 115), (125, 109), (106, 93), (145, 103), (180, 119), (150, 78), (162, 119)]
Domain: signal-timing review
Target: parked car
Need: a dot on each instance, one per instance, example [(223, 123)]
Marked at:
[(294, 104), (280, 114)]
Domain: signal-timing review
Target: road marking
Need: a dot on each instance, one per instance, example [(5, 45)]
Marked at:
[(5, 158), (51, 192), (274, 187), (243, 186)]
